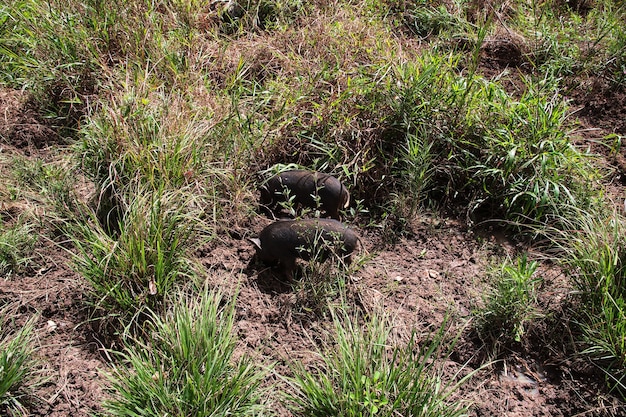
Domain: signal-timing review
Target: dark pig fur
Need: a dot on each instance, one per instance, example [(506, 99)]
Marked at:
[(308, 189), (286, 240)]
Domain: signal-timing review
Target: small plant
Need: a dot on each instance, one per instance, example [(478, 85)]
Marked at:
[(51, 180), (415, 170), (17, 364), (324, 275), (512, 303), (361, 374), (320, 285), (185, 365), (16, 243)]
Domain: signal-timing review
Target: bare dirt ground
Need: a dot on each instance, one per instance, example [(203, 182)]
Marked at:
[(438, 269)]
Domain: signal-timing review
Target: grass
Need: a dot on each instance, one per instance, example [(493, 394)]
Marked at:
[(362, 372), (500, 157), (140, 266), (512, 303), (595, 259), (47, 183), (16, 243), (186, 366), (46, 50), (18, 364)]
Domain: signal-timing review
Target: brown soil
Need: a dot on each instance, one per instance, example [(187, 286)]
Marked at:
[(437, 270)]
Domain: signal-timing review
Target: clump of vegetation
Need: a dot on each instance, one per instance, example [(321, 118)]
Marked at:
[(361, 371), (138, 267), (596, 257), (18, 365), (512, 303), (499, 157), (51, 180), (185, 365), (49, 50), (320, 285), (16, 243)]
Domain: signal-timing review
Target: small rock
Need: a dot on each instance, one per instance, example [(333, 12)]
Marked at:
[(51, 326)]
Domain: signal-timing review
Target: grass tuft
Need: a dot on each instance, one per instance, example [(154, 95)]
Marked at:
[(16, 243), (18, 366), (186, 366), (596, 260), (512, 303), (360, 373), (138, 267)]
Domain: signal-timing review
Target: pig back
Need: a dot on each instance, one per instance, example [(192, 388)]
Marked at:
[(290, 239), (309, 189), (327, 235)]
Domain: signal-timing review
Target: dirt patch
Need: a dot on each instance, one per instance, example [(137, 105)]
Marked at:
[(69, 351), (21, 126), (601, 105)]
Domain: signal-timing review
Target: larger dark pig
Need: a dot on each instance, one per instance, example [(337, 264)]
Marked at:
[(308, 189), (286, 240)]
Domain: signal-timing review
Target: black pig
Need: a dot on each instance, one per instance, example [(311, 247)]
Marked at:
[(308, 189), (286, 240)]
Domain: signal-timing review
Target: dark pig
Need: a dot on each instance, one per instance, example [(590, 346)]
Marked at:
[(306, 188), (286, 240)]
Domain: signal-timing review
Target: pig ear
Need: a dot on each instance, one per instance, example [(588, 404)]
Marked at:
[(347, 203), (256, 242)]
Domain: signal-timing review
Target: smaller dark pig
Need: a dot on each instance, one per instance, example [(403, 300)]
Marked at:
[(286, 240), (308, 189)]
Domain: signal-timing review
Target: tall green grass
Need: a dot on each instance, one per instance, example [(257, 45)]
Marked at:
[(63, 51), (18, 364), (47, 50), (138, 267), (186, 365), (500, 157), (596, 257), (362, 372)]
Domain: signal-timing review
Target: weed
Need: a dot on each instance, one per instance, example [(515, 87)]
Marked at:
[(415, 169), (512, 303), (319, 286), (185, 366), (361, 374), (18, 367)]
